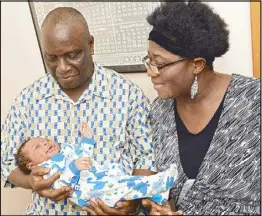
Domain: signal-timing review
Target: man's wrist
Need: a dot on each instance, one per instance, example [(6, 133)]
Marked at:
[(28, 182), (19, 179)]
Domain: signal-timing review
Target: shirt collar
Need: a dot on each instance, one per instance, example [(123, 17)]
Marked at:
[(99, 86)]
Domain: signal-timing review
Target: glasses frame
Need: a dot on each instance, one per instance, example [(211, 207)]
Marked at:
[(156, 68)]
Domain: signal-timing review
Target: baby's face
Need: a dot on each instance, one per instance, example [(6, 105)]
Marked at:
[(40, 149)]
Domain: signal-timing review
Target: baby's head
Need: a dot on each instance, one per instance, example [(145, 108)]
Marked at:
[(35, 151)]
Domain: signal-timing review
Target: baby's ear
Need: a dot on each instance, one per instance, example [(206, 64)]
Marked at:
[(30, 166)]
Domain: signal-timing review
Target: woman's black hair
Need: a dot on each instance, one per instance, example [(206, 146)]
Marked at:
[(192, 27)]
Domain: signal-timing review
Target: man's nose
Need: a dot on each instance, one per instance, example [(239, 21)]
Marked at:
[(62, 66)]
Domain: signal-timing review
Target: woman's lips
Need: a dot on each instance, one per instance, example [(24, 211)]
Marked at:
[(157, 86)]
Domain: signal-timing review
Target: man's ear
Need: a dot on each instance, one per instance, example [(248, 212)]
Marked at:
[(91, 44), (199, 65), (30, 166)]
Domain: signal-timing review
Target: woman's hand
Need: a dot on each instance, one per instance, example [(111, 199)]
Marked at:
[(156, 209), (42, 186), (100, 208)]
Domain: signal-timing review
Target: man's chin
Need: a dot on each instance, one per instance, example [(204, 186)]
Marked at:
[(68, 85)]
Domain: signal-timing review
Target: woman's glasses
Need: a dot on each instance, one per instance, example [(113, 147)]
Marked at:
[(156, 68)]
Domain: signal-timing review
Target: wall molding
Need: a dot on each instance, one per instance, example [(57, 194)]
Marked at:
[(255, 15)]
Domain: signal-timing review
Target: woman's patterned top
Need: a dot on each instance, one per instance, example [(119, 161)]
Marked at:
[(228, 181)]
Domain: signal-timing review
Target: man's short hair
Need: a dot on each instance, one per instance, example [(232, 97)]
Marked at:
[(62, 15)]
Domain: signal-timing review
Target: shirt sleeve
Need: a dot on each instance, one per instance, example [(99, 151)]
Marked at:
[(13, 132), (87, 146), (139, 131), (70, 174)]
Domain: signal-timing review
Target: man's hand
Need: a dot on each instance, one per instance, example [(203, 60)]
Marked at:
[(156, 209), (83, 163), (100, 208), (42, 186)]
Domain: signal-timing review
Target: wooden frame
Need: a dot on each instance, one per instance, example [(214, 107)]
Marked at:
[(122, 59), (255, 33)]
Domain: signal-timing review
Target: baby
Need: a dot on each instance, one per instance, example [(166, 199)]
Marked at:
[(89, 179)]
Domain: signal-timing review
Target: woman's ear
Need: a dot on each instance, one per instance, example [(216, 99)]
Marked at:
[(199, 65)]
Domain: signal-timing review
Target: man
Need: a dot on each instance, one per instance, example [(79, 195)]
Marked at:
[(76, 90)]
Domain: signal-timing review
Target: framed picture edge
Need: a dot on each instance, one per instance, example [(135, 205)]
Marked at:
[(137, 68)]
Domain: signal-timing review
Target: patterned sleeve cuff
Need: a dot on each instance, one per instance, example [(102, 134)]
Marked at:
[(73, 168), (5, 172), (86, 140), (147, 162)]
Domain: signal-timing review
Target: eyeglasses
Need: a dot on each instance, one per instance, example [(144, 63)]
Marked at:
[(156, 68)]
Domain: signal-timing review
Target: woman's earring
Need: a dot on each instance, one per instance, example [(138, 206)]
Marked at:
[(194, 88)]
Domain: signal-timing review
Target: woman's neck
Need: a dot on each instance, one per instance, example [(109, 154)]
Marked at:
[(209, 83)]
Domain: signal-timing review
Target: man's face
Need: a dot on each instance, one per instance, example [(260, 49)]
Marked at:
[(38, 150), (68, 50)]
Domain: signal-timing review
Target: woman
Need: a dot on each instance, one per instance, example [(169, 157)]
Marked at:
[(204, 121)]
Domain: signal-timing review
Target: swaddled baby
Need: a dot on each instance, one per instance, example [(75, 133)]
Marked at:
[(89, 179)]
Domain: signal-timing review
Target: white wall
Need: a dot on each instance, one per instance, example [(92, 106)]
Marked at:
[(239, 57), (21, 64)]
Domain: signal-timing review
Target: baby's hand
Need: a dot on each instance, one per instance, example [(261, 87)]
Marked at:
[(83, 163), (86, 131)]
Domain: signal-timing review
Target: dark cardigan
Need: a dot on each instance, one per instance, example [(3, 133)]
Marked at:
[(228, 181)]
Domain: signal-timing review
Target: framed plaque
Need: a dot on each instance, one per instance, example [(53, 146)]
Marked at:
[(120, 30)]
